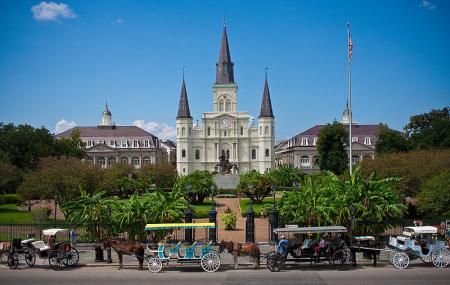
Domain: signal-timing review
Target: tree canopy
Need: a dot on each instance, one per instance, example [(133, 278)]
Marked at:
[(331, 143), (390, 141)]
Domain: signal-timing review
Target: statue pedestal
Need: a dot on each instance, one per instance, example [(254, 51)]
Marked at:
[(227, 181)]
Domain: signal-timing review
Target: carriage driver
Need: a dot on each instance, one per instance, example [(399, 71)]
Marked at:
[(282, 245)]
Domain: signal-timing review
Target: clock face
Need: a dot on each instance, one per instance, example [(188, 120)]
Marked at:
[(225, 123)]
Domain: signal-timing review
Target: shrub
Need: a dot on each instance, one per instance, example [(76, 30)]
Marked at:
[(41, 214), (10, 199), (229, 220), (255, 185), (434, 199)]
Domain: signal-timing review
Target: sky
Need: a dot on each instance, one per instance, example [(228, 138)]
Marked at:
[(61, 61)]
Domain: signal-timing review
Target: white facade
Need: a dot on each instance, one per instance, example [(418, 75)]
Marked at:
[(225, 130)]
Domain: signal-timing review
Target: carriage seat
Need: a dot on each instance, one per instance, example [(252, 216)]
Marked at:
[(40, 245), (189, 252)]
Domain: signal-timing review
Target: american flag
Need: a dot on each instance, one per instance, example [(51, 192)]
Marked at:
[(350, 46)]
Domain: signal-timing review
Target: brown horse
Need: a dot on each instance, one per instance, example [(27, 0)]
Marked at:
[(5, 248), (249, 248), (128, 248)]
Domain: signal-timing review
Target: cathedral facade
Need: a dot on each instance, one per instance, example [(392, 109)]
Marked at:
[(225, 131)]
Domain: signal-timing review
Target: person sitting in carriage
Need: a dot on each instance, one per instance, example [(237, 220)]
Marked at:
[(282, 245), (322, 244), (306, 242)]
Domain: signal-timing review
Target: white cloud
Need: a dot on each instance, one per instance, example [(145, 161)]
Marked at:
[(64, 125), (427, 5), (51, 11), (162, 131)]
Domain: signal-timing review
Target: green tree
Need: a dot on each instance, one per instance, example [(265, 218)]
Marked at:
[(9, 175), (158, 175), (256, 186), (286, 176), (72, 146), (430, 130), (196, 185), (390, 141), (434, 198), (61, 177), (113, 178), (414, 168), (331, 143)]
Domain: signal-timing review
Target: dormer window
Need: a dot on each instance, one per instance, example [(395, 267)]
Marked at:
[(146, 144), (304, 142), (124, 143), (367, 141), (225, 69), (101, 142), (112, 143), (89, 143), (355, 139), (135, 143), (315, 141)]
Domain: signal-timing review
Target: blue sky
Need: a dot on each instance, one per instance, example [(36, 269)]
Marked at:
[(63, 60)]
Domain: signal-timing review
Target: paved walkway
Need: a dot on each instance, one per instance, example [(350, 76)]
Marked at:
[(261, 225)]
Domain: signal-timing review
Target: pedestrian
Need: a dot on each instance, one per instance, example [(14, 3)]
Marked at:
[(73, 236)]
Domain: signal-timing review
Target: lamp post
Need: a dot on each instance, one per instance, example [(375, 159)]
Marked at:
[(213, 217), (188, 216), (273, 216), (108, 250)]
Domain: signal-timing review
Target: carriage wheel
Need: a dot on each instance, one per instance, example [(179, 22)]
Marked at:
[(57, 259), (72, 257), (275, 262), (440, 257), (30, 257), (341, 256), (400, 260), (154, 264), (13, 260), (210, 262)]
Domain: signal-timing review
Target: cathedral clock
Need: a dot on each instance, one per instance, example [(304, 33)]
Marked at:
[(225, 123)]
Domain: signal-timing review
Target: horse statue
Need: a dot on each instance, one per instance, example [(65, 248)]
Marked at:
[(126, 248), (246, 249)]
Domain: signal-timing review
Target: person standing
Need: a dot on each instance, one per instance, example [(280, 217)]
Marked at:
[(73, 236)]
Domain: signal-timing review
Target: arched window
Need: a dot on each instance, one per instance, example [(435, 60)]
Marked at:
[(197, 154), (146, 160), (220, 105), (101, 161), (228, 106), (304, 161), (183, 153), (267, 152), (242, 131), (225, 133), (136, 161), (355, 159), (253, 153), (209, 131), (111, 161), (183, 131), (124, 160), (266, 130)]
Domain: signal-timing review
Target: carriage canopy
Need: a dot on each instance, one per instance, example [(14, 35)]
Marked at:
[(311, 230), (53, 232), (408, 231), (169, 226)]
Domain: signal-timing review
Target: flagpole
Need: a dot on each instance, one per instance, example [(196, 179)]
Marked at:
[(349, 98)]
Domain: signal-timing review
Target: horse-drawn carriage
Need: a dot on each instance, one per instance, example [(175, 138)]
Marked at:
[(418, 242), (332, 247), (59, 254), (196, 253)]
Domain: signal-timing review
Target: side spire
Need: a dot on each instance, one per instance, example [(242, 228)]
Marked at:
[(224, 66), (183, 106), (266, 104)]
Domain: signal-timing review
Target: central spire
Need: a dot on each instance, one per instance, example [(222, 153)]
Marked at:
[(224, 67)]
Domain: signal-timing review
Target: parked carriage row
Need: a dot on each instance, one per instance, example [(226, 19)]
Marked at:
[(339, 249)]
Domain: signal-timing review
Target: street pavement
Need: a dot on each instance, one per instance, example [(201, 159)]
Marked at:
[(90, 272)]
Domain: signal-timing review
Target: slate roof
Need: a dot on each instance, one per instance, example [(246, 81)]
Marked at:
[(107, 131), (266, 104), (224, 58), (183, 106)]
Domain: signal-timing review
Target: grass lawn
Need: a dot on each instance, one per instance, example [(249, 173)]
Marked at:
[(10, 212), (201, 211), (267, 203)]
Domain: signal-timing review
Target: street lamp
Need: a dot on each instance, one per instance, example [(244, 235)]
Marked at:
[(188, 189), (213, 189), (273, 189)]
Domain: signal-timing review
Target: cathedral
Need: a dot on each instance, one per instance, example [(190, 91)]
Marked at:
[(225, 132)]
